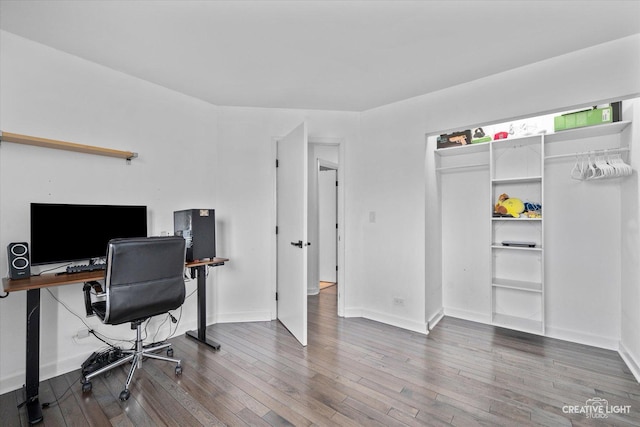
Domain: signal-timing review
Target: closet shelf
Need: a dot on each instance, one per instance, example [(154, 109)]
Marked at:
[(517, 180), (463, 149), (516, 248), (517, 141), (587, 132), (565, 135), (517, 284), (506, 218), (469, 166), (63, 145)]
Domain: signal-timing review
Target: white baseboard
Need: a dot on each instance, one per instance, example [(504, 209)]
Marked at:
[(551, 332), (581, 338), (386, 319), (399, 322), (433, 321), (47, 371), (53, 369), (352, 312), (81, 351), (244, 316), (472, 316), (632, 362)]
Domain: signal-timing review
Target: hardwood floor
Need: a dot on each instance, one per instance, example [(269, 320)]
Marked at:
[(354, 372), (325, 285)]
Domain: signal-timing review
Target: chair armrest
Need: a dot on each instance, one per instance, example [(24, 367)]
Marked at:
[(87, 295)]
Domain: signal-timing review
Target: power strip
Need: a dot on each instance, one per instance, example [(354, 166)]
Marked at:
[(100, 360)]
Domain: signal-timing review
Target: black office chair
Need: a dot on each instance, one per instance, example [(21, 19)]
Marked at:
[(144, 278)]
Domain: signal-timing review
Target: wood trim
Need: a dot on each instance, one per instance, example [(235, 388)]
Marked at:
[(64, 145), (206, 262), (50, 280)]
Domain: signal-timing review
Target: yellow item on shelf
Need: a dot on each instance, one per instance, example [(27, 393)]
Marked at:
[(509, 205)]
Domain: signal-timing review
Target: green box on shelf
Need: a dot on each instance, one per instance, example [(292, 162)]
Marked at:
[(584, 118), (481, 140)]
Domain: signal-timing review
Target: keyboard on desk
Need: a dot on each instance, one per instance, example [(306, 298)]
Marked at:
[(85, 267)]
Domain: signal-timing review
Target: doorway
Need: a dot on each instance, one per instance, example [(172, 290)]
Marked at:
[(324, 210), (327, 224), (320, 145)]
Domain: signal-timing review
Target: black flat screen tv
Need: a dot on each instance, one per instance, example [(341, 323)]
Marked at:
[(66, 232)]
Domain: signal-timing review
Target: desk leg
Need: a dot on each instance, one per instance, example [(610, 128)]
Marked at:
[(201, 334), (32, 383)]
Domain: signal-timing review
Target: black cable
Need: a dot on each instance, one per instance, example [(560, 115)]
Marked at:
[(68, 309), (132, 342), (53, 268), (160, 326), (176, 322), (91, 330), (6, 294), (46, 405)]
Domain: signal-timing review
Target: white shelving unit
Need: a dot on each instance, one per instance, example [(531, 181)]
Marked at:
[(516, 168)]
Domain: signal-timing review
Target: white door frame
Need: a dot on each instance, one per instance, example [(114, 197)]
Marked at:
[(327, 165), (340, 143)]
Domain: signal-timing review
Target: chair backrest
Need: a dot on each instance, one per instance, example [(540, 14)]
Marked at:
[(144, 277)]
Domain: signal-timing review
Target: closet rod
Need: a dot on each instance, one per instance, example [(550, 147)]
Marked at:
[(448, 168), (593, 152)]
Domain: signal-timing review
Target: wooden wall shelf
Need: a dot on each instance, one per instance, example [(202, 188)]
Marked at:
[(63, 145)]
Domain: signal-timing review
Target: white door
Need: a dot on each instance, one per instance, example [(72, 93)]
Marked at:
[(291, 183)]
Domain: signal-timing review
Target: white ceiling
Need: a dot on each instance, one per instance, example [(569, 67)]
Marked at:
[(332, 55)]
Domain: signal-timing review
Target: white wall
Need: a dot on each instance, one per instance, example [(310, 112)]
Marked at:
[(629, 346), (386, 259), (46, 93), (582, 249), (246, 201), (387, 218), (465, 240)]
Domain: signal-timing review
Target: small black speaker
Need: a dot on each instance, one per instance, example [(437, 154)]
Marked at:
[(19, 264), (198, 227)]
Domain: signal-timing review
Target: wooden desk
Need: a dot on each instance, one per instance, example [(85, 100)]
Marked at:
[(33, 285)]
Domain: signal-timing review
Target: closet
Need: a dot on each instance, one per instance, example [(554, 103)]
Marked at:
[(557, 273)]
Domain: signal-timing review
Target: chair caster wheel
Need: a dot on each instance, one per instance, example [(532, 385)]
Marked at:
[(178, 370), (169, 352), (86, 386), (124, 395)]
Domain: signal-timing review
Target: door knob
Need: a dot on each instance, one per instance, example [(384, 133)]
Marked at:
[(298, 244)]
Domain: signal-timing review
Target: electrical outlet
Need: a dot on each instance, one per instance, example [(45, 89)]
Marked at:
[(82, 333), (398, 301)]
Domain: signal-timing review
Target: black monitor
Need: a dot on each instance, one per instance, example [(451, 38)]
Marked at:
[(65, 232)]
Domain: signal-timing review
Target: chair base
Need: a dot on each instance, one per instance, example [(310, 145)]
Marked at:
[(135, 357)]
